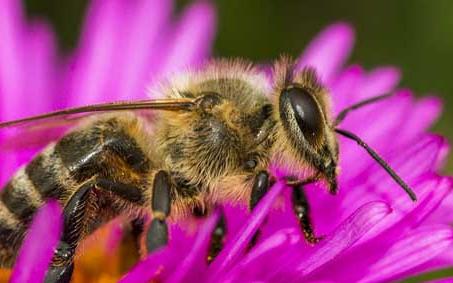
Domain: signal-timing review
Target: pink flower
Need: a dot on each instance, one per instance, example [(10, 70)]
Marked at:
[(373, 232)]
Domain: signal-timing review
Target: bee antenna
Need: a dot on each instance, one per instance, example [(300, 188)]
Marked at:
[(342, 115), (380, 161)]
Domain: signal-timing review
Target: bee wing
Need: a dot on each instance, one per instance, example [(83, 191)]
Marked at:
[(36, 131), (80, 112)]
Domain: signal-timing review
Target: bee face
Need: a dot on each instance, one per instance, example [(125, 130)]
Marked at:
[(304, 114)]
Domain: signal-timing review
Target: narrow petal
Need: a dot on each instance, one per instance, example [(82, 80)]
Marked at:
[(191, 41), (236, 245), (431, 190), (423, 114), (41, 67), (93, 66), (39, 245), (345, 86), (12, 70), (421, 158), (188, 269), (261, 258), (349, 232), (13, 63), (374, 246), (329, 50), (379, 81), (420, 246), (378, 136), (146, 21)]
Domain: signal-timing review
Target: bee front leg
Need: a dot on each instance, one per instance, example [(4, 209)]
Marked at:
[(62, 264), (157, 234), (302, 210)]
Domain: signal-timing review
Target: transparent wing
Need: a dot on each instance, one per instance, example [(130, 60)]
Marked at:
[(80, 112), (36, 131)]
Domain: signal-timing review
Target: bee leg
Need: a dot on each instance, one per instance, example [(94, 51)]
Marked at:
[(217, 238), (62, 264), (137, 228), (259, 190), (302, 210), (157, 234)]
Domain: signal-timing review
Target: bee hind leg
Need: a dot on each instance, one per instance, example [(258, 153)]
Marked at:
[(75, 222), (62, 264)]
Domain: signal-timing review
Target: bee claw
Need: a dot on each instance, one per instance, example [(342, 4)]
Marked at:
[(59, 274), (313, 240)]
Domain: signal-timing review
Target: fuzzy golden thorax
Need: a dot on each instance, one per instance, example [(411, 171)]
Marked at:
[(221, 141)]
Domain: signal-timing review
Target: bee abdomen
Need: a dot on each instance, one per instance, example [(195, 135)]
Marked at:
[(46, 175), (19, 201)]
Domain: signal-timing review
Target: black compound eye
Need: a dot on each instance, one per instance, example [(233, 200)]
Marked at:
[(307, 113)]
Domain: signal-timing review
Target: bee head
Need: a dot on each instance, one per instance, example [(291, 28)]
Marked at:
[(306, 136)]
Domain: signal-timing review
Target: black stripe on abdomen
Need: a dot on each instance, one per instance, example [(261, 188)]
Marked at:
[(44, 177), (9, 234), (18, 202)]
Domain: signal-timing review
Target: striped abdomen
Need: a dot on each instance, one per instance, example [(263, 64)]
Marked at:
[(103, 149), (22, 196)]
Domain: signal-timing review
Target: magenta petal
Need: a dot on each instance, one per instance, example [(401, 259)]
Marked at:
[(40, 71), (94, 66), (192, 38), (419, 159), (329, 50), (349, 232), (379, 81), (39, 245), (236, 245), (345, 87), (381, 237), (420, 246), (256, 262), (189, 267), (146, 20), (423, 114)]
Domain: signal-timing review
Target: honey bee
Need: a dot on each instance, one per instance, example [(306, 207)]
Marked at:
[(213, 140)]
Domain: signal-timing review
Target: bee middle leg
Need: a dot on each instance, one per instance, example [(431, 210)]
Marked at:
[(157, 233)]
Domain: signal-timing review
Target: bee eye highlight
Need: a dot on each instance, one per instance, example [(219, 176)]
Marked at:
[(306, 112)]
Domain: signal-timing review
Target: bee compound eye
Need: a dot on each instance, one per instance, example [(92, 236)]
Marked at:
[(306, 112)]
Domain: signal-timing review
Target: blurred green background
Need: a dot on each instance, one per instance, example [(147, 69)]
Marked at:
[(416, 35)]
